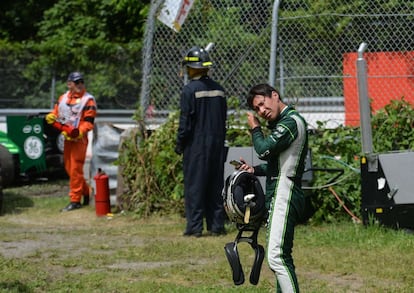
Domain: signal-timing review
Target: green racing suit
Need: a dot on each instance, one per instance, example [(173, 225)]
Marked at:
[(284, 151)]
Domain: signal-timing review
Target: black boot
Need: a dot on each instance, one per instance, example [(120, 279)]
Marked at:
[(85, 200), (72, 206)]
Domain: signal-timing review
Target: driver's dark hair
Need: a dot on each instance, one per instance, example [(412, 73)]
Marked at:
[(262, 89)]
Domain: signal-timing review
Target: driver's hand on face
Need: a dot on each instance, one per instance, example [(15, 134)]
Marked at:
[(252, 120)]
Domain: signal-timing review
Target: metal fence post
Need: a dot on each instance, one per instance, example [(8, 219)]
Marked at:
[(273, 43), (364, 105), (147, 55)]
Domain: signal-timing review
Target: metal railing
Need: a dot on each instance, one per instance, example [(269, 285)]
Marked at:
[(111, 116)]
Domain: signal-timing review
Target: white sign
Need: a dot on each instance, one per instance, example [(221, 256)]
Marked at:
[(174, 13), (33, 147)]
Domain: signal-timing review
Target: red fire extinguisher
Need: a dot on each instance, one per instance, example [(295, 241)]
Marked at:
[(102, 199)]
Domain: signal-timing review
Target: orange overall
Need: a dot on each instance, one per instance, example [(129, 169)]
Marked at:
[(79, 110)]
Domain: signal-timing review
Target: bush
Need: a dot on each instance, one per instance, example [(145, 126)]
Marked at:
[(341, 148), (393, 127), (152, 171), (335, 149), (153, 175)]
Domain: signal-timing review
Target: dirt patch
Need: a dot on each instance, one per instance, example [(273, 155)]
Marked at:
[(352, 282)]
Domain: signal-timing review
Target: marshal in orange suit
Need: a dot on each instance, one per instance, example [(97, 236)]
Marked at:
[(74, 115)]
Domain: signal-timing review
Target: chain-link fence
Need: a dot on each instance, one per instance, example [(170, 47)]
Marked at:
[(314, 49)]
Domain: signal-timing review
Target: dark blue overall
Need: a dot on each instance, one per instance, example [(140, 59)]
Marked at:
[(201, 136)]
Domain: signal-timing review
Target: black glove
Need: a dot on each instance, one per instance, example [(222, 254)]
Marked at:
[(178, 149)]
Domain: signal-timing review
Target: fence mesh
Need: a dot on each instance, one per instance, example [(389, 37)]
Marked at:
[(316, 55)]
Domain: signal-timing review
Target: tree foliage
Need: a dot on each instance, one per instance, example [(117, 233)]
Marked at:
[(102, 39), (44, 40)]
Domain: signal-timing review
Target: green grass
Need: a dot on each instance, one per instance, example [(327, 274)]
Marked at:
[(43, 250)]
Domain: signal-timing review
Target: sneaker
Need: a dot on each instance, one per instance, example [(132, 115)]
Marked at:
[(72, 206), (85, 200)]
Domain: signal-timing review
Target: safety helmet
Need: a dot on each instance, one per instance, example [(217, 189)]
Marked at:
[(198, 58), (75, 76), (243, 189)]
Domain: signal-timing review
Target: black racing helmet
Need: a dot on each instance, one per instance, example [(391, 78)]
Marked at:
[(198, 58), (243, 189), (75, 76)]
